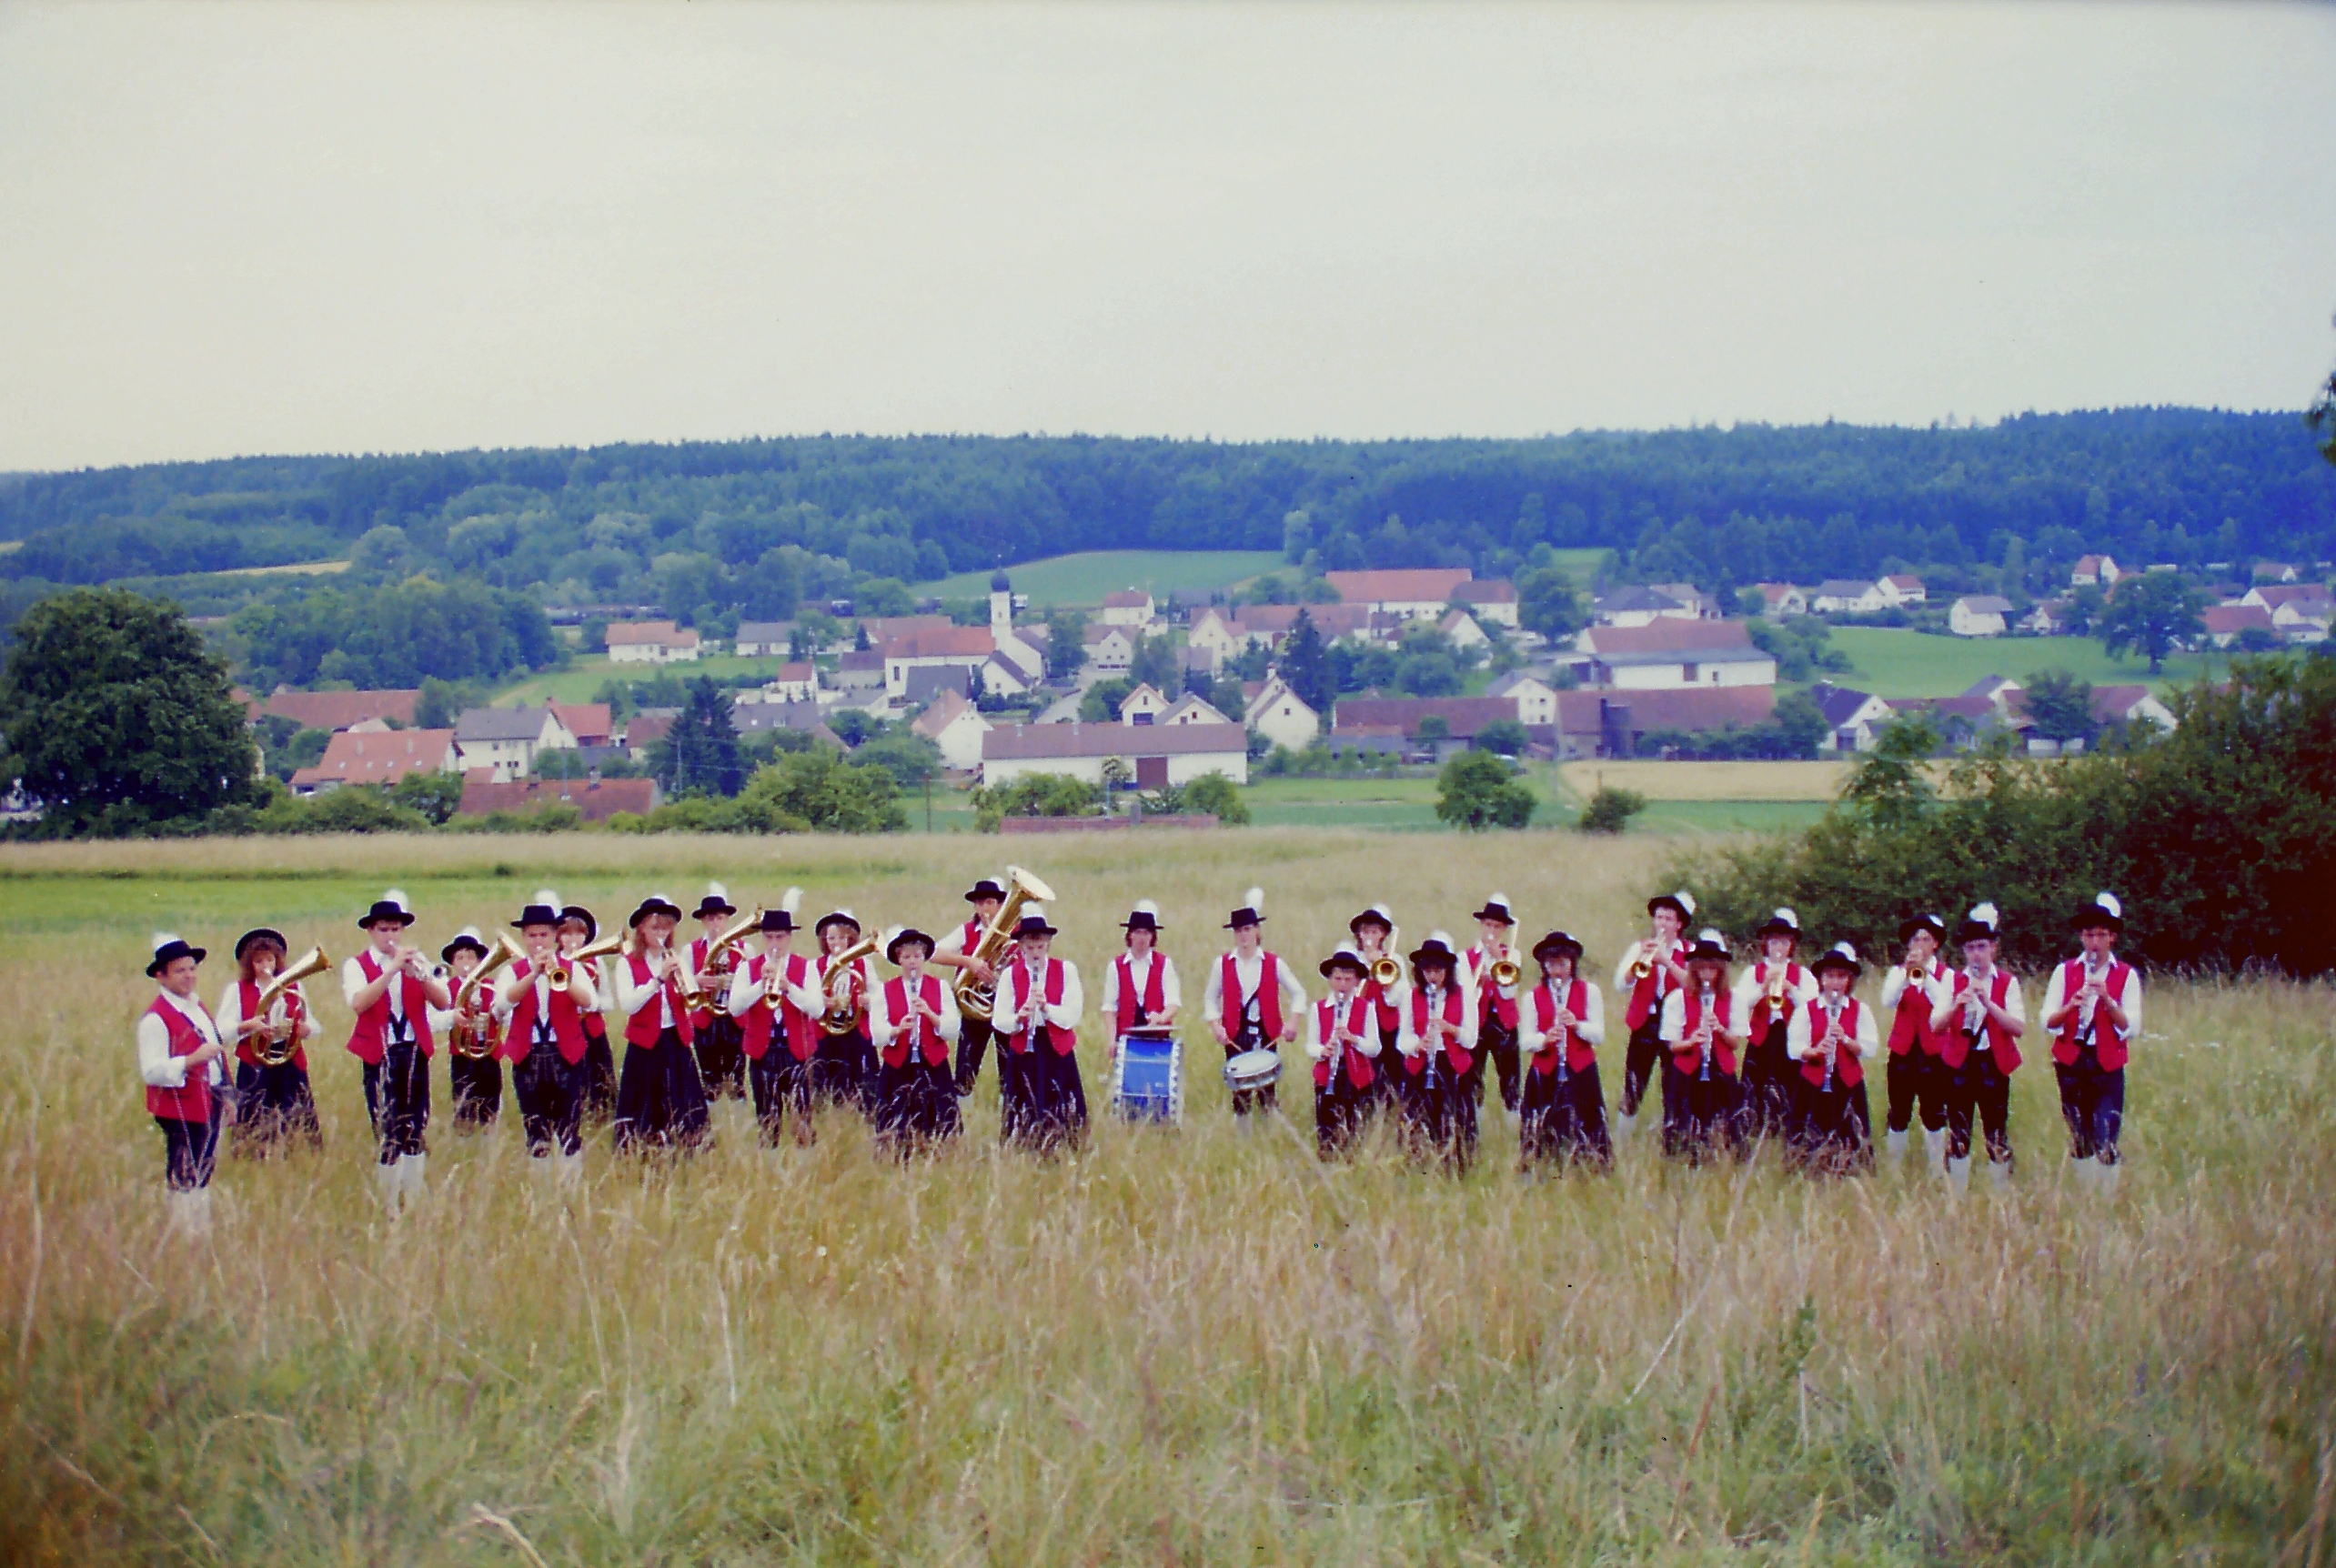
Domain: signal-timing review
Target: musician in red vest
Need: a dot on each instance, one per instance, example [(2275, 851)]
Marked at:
[(1496, 1029), (958, 954), (719, 1061), (1702, 1037), (473, 1022), (547, 1000), (1562, 1024), (391, 989), (1376, 938), (844, 1069), (660, 1096), (179, 1058), (775, 1000), (1252, 1001), (1139, 987), (1040, 1006), (1651, 971), (1831, 1038), (577, 928), (1977, 1018), (916, 1025), (1437, 1047), (1343, 1043), (2092, 1010), (1915, 1076), (274, 1104), (1769, 993)]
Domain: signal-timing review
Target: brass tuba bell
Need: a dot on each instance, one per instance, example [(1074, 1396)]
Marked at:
[(978, 997)]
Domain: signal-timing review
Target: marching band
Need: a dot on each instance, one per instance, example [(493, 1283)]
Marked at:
[(1777, 1057)]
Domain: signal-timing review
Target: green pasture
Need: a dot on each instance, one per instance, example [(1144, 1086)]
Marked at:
[(1892, 661), (585, 675), (1085, 578)]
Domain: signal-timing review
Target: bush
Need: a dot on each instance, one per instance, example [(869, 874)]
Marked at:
[(351, 809), (1214, 795), (1475, 791), (1504, 736), (1035, 795), (1609, 810), (550, 817)]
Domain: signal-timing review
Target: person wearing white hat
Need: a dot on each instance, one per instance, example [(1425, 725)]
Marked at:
[(844, 1070), (1977, 1018), (1651, 971), (1830, 1038), (1703, 1035), (660, 1096), (1139, 987), (577, 929), (1374, 935), (916, 1024), (1769, 993), (775, 1000), (275, 1104), (1437, 1047), (721, 1062), (2092, 1010), (1562, 1026), (1343, 1043), (180, 1052), (391, 989), (476, 1082), (1042, 1098), (1915, 1077), (1252, 1001), (1496, 1026)]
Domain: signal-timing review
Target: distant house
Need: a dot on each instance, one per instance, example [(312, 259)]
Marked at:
[(380, 756), (883, 629), (1192, 710), (644, 729), (952, 647), (2274, 572), (1145, 705), (505, 742), (651, 642), (1668, 653), (956, 726), (1979, 615), (1280, 715), (589, 722), (2300, 612), (337, 711), (764, 639), (1899, 589), (796, 682), (1001, 678), (2047, 617), (1616, 723), (1157, 755), (1129, 607), (1356, 721), (1536, 698), (2093, 571), (1844, 596), (1780, 600), (858, 672), (1110, 647), (1854, 719), (1998, 691), (1691, 599), (2225, 623), (1488, 599), (598, 798), (1461, 630), (2125, 705), (1409, 593), (1635, 606), (763, 717)]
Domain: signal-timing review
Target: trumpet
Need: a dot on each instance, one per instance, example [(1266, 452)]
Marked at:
[(613, 943), (719, 957), (1644, 964), (1388, 972), (1776, 994), (1503, 970), (477, 1040), (276, 1052), (844, 988)]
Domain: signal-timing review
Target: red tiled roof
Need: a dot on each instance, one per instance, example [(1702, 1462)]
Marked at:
[(647, 729), (1420, 585), (1016, 742), (883, 629), (797, 671), (1688, 707), (1670, 634), (1331, 621), (339, 709), (2297, 594), (587, 721), (379, 757), (1486, 590), (630, 633), (598, 799), (943, 642), (1127, 598), (2229, 619), (1463, 716)]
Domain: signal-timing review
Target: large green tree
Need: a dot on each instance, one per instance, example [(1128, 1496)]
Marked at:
[(2151, 613), (1549, 603), (2060, 704), (700, 753), (1475, 791), (118, 718)]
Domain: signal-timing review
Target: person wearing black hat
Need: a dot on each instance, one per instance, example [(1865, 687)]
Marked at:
[(719, 1061), (179, 1059), (274, 1104), (660, 1097), (1375, 939), (391, 988), (545, 1041), (1437, 1047), (1702, 1034), (1343, 1043), (1651, 971), (1768, 994), (1832, 1037), (1561, 1028), (1041, 1004), (1139, 987), (1497, 1027), (843, 1072), (775, 1000), (476, 1081), (1252, 1001), (1978, 1020), (916, 1024), (577, 930), (2092, 1010), (958, 953), (1914, 1074)]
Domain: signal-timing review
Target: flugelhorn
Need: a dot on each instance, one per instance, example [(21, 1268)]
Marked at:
[(276, 1052), (978, 997), (613, 943), (842, 988)]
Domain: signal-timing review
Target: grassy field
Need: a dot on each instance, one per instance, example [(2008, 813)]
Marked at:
[(1710, 780), (589, 671), (1891, 661), (1085, 578), (1191, 1348)]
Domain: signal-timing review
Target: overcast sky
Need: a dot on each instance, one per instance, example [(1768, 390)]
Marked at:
[(384, 228)]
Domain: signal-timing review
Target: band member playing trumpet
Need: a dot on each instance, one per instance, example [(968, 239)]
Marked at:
[(776, 1000), (1343, 1042), (1438, 1045), (1831, 1038), (1384, 987), (1252, 1001), (1493, 974), (660, 1097), (2092, 1009), (274, 1101), (1915, 1073), (1139, 987), (577, 930), (957, 954), (1977, 1018), (179, 1058), (1768, 995), (844, 1071), (916, 1093), (1651, 971), (1703, 1035), (391, 989), (1562, 1027), (1041, 1004), (475, 1075), (548, 998), (719, 1061)]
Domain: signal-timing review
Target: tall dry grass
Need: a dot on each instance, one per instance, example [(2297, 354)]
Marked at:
[(1199, 1347)]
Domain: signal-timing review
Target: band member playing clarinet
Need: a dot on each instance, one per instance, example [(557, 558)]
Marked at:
[(660, 1097), (1252, 1001), (1831, 1038), (577, 928), (274, 1104), (1343, 1043), (179, 1052), (472, 1028), (1563, 1026), (391, 989), (1768, 995), (1977, 1018), (1438, 1046), (1496, 999), (2092, 1009), (916, 1093), (843, 1072), (719, 1061), (548, 998), (1916, 1074), (1374, 939), (1701, 1031), (956, 956), (1651, 971), (1140, 986), (1040, 1005), (775, 1000)]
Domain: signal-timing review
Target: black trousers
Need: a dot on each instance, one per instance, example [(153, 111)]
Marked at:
[(600, 1070), (477, 1082), (843, 1071), (916, 1106), (550, 1091), (779, 1084), (1917, 1077), (1638, 1063), (1042, 1098), (189, 1150), (398, 1101), (721, 1057), (2092, 1104), (1770, 1097), (1702, 1115), (1496, 1042), (1439, 1113), (972, 1044), (1245, 1100), (1834, 1127), (274, 1106), (1564, 1118), (1342, 1110), (1977, 1088), (660, 1099)]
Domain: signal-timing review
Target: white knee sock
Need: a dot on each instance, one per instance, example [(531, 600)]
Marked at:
[(1624, 1126), (1895, 1144), (2105, 1177), (1999, 1172), (391, 1182), (1958, 1174)]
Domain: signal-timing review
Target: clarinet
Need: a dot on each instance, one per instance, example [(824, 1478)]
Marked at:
[(1704, 1031)]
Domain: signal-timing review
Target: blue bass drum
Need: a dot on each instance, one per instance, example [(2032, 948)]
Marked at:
[(1148, 1085)]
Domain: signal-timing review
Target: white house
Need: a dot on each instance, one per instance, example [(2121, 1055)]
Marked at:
[(1461, 630), (507, 740), (962, 646), (1110, 648), (1129, 607), (1537, 699), (2093, 571), (2131, 704), (1691, 599), (999, 678), (1411, 594), (1854, 721), (1191, 709), (1155, 755), (2047, 617), (1280, 715), (1145, 705), (956, 726), (797, 682), (1778, 600), (1635, 606), (1491, 600), (1667, 654), (764, 639), (651, 642), (1842, 595), (1979, 615), (372, 753), (2226, 622), (1901, 589)]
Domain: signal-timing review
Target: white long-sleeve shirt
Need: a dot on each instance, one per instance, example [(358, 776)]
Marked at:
[(230, 1013), (353, 980), (747, 990), (1411, 1044), (1802, 1036), (1172, 991), (1894, 985), (632, 997), (155, 1064), (1069, 1013), (1591, 1027), (1675, 1019), (1753, 984), (1249, 972), (1318, 1044), (2056, 994), (886, 1028), (1946, 1009)]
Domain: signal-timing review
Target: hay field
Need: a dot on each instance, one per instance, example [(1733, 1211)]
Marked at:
[(1660, 780), (1198, 1348)]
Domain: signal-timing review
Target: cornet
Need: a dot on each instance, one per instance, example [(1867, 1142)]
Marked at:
[(276, 1052)]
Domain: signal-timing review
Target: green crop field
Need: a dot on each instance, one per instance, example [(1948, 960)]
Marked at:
[(1892, 661), (1085, 578), (585, 675)]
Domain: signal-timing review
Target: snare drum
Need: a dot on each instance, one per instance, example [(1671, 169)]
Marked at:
[(1253, 1069), (1148, 1084)]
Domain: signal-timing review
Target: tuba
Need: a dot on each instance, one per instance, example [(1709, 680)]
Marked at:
[(474, 1041), (976, 998), (721, 958), (276, 1052), (844, 988)]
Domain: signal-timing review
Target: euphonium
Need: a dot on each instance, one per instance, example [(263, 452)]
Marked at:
[(843, 983), (613, 943), (977, 998), (476, 1041), (276, 1052)]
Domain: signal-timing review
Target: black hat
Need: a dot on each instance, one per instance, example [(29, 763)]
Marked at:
[(583, 916), (1709, 947), (1345, 959), (783, 918), (836, 918), (655, 904), (543, 910), (1783, 923), (1839, 956), (467, 937), (1979, 926), (1144, 917), (987, 888), (389, 906), (716, 902), (261, 934), (1682, 903), (900, 934), (1251, 912), (168, 948), (1376, 915), (1496, 907), (1034, 922), (2104, 910), (1558, 942), (1438, 948), (1913, 923)]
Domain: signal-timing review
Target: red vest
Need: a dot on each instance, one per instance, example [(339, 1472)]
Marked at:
[(1762, 1016), (1955, 1046), (1691, 1061), (701, 1018), (1646, 996), (595, 1023), (366, 1041), (641, 1028), (1017, 992), (928, 1033), (1454, 1011), (1849, 1067), (1155, 986), (1269, 998), (1580, 1055), (1910, 1024), (1380, 1003), (2107, 1043), (1360, 1072), (192, 1102), (566, 1021), (755, 1026), (1489, 999), (294, 1013)]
